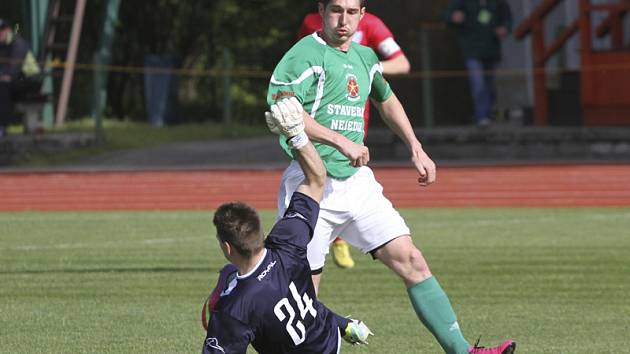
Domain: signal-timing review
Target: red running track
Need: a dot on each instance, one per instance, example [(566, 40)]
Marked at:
[(505, 186)]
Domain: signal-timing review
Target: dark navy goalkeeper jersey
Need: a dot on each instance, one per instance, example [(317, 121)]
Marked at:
[(274, 306)]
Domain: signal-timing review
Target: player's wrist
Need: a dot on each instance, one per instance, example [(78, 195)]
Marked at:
[(415, 145), (299, 141), (342, 143)]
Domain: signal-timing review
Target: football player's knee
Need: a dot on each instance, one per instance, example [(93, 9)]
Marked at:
[(418, 264), (411, 266)]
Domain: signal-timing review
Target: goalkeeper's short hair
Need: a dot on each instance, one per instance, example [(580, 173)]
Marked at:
[(239, 225)]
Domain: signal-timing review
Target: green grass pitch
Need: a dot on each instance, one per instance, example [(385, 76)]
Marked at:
[(555, 280)]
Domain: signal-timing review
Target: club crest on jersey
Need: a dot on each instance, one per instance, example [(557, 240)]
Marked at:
[(353, 88)]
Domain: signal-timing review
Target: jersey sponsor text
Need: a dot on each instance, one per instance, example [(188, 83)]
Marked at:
[(343, 110), (266, 271), (346, 125)]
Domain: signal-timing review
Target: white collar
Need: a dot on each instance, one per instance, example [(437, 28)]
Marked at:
[(319, 39), (238, 276)]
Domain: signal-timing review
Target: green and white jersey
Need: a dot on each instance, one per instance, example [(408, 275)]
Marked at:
[(333, 86)]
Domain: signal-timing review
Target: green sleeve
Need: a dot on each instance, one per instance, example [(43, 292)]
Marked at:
[(294, 75), (380, 88)]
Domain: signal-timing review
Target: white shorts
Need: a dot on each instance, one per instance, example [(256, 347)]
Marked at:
[(354, 209)]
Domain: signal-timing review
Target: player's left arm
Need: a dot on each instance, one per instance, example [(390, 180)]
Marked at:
[(394, 115)]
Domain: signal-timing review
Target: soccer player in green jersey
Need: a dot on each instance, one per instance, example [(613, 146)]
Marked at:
[(332, 78)]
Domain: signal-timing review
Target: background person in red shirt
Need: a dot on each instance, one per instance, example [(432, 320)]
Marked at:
[(372, 32)]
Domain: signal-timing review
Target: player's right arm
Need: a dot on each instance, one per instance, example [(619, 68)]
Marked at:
[(295, 76), (286, 117), (359, 155)]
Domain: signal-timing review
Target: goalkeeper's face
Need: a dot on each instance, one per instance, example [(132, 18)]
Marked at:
[(341, 19)]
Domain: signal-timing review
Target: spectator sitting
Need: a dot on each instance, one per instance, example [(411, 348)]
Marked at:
[(19, 72)]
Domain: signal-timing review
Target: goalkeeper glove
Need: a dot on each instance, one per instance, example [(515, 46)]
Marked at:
[(356, 332), (286, 117)]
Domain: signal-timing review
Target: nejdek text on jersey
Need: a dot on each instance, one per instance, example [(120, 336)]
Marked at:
[(348, 111)]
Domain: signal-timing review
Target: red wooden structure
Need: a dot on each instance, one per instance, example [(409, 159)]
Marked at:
[(604, 75)]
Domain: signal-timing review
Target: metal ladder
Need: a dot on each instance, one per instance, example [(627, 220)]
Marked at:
[(60, 44)]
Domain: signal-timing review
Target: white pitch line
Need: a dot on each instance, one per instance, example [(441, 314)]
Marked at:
[(83, 245)]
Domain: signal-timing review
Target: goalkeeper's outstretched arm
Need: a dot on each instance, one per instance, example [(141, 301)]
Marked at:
[(287, 119), (314, 172)]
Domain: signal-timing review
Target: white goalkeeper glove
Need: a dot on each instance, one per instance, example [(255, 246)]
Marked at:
[(286, 117)]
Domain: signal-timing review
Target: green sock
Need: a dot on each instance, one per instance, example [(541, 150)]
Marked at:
[(436, 313)]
